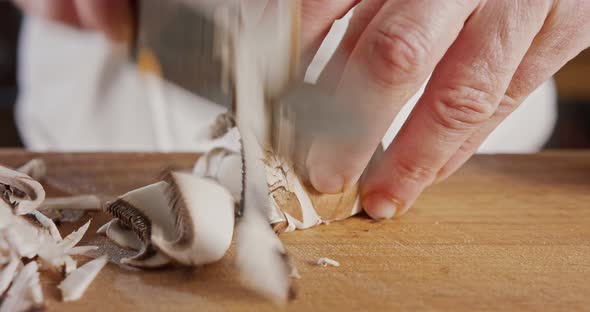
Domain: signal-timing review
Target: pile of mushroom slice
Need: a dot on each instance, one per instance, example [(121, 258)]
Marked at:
[(184, 219), (30, 242), (293, 204)]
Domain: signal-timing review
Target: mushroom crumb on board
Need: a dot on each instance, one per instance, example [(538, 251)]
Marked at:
[(324, 262)]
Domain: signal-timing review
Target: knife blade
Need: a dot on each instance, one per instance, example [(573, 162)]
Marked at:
[(179, 41)]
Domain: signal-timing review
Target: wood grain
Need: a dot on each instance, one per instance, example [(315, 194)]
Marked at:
[(505, 233)]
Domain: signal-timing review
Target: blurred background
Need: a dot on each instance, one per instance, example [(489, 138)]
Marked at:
[(572, 130)]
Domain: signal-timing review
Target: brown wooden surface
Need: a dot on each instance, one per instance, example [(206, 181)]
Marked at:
[(505, 233)]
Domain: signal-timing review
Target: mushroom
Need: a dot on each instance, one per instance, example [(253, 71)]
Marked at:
[(23, 238), (224, 166), (123, 236), (261, 258), (75, 284), (136, 212), (46, 224), (293, 203), (56, 253), (26, 233), (324, 262), (204, 220), (8, 273), (25, 293), (81, 250), (186, 219), (35, 168), (20, 191), (78, 202)]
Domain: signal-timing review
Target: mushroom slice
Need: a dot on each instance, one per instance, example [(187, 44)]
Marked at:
[(81, 250), (25, 292), (46, 224), (79, 202), (148, 261), (69, 264), (6, 216), (293, 204), (35, 168), (224, 166), (262, 260), (8, 273), (102, 230), (73, 287), (74, 238), (324, 262), (55, 253), (20, 191), (204, 220), (140, 210), (123, 236), (23, 238)]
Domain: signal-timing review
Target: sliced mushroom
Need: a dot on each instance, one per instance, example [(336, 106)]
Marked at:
[(204, 220), (123, 236), (47, 224), (69, 264), (36, 169), (81, 250), (74, 238), (147, 257), (224, 166), (324, 262), (222, 124), (148, 261), (6, 216), (79, 202), (35, 237), (102, 230), (56, 253), (23, 238), (73, 287), (20, 191), (261, 72), (139, 211), (8, 273), (294, 204), (25, 292), (263, 262)]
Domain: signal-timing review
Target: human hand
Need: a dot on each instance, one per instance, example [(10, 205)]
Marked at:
[(485, 57), (113, 17)]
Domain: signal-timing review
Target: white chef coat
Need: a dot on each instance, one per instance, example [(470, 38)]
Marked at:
[(79, 93)]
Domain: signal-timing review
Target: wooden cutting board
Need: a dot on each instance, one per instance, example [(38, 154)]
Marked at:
[(505, 233)]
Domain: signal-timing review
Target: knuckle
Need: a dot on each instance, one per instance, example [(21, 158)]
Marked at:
[(399, 53), (507, 105), (413, 172), (464, 107)]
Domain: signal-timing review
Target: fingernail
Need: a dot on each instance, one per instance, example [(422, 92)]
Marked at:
[(379, 207), (325, 181)]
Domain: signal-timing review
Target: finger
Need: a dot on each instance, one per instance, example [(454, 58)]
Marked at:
[(317, 19), (113, 17), (364, 12), (462, 95), (63, 11), (560, 40), (392, 59)]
